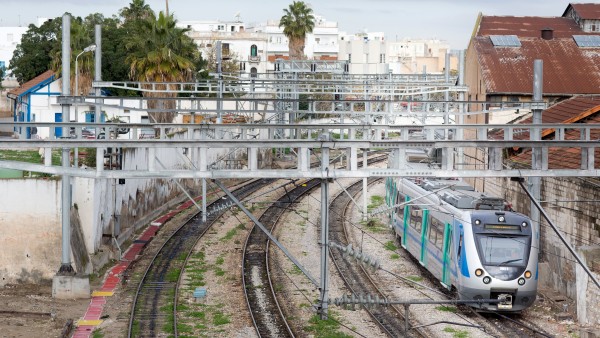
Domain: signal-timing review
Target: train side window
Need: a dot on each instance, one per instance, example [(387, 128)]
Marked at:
[(436, 232), (416, 217), (460, 244)]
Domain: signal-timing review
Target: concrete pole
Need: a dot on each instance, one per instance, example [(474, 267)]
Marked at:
[(462, 110), (535, 135), (220, 76), (98, 74), (447, 95), (204, 200), (324, 235), (65, 263), (365, 187)]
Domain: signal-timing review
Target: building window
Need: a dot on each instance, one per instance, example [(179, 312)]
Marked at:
[(9, 37), (349, 58), (317, 40), (233, 28), (381, 58), (225, 49), (220, 28), (253, 72), (253, 51)]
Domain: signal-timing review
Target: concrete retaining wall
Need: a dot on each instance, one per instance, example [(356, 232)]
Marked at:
[(107, 212), (569, 202)]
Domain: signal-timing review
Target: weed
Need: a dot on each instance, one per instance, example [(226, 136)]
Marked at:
[(446, 308), (219, 318), (394, 256), (390, 246), (197, 314), (219, 272), (457, 333), (97, 334), (220, 260), (173, 275), (415, 278), (325, 328), (241, 226), (295, 270), (229, 235)]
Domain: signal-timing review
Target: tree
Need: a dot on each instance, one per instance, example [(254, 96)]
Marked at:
[(297, 22), (33, 55), (163, 54)]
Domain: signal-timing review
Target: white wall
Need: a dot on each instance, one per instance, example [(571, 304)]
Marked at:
[(30, 230)]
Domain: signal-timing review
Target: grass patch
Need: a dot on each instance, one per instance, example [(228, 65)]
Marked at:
[(415, 278), (325, 328), (229, 235), (241, 226), (219, 318), (173, 275), (390, 246), (219, 272), (184, 328), (457, 333), (446, 308), (376, 201), (394, 256), (220, 260), (197, 314), (295, 270), (97, 334)]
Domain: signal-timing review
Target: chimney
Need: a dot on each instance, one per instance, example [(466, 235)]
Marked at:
[(547, 33)]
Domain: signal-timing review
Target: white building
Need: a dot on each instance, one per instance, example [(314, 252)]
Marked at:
[(410, 56), (247, 48), (321, 44), (10, 37), (365, 52)]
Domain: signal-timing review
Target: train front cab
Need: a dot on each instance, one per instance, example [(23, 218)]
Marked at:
[(505, 265)]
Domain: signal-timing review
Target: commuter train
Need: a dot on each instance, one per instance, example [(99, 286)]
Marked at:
[(469, 241)]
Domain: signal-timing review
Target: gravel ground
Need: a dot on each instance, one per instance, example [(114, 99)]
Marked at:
[(222, 259)]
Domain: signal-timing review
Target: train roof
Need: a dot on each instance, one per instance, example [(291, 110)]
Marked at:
[(455, 192)]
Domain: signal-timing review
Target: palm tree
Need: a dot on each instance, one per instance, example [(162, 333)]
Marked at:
[(297, 22), (163, 54)]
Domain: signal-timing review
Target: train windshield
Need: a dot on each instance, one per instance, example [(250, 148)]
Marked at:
[(503, 250)]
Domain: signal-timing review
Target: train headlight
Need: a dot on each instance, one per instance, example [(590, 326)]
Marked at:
[(501, 219), (524, 224), (478, 272), (487, 279), (477, 222), (521, 281), (527, 274)]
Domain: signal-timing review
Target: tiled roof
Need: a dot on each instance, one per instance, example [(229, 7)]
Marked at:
[(580, 109), (30, 84), (568, 68), (573, 110), (586, 11)]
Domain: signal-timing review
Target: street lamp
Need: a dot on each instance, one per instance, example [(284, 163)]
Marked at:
[(89, 48)]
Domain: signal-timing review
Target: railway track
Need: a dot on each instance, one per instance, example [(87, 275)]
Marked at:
[(158, 287), (267, 316), (266, 313), (390, 319)]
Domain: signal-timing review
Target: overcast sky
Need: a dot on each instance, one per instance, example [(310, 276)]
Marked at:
[(450, 20)]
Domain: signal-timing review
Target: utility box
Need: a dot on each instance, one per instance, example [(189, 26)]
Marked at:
[(199, 294)]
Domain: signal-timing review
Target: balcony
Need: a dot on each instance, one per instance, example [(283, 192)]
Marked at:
[(253, 58)]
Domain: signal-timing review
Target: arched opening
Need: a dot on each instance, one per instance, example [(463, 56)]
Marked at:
[(253, 51), (253, 72)]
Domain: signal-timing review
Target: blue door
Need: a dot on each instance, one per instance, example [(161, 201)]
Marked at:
[(58, 130)]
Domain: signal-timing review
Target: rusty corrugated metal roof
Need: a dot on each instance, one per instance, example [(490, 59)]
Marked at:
[(587, 11), (568, 68), (527, 26), (30, 84)]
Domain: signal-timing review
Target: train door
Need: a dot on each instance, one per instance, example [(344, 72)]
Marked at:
[(424, 238), (405, 222), (447, 250)]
